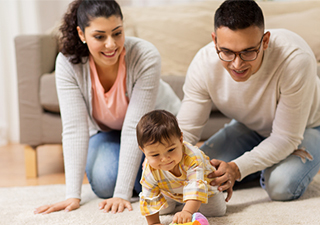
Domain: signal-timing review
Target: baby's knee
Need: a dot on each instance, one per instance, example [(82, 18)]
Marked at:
[(216, 206), (214, 212), (170, 209)]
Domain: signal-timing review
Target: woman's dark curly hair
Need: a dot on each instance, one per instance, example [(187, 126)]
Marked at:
[(80, 13)]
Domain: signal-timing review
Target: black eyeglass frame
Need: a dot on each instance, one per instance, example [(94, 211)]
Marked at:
[(241, 52)]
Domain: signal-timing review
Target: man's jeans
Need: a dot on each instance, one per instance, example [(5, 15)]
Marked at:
[(102, 163), (286, 180)]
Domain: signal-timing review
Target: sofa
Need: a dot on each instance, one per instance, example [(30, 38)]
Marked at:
[(177, 30)]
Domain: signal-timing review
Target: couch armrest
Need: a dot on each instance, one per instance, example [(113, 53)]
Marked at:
[(35, 55)]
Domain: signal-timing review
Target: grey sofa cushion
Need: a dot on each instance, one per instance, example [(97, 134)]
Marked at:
[(49, 98), (176, 82), (48, 93)]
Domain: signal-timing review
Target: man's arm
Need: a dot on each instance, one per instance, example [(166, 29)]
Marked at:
[(296, 87), (196, 104)]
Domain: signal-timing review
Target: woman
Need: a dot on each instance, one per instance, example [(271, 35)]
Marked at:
[(105, 83)]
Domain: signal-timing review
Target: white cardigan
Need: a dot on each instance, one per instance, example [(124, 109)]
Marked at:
[(146, 91)]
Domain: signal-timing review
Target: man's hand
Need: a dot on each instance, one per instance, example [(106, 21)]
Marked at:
[(67, 205), (225, 176), (115, 205)]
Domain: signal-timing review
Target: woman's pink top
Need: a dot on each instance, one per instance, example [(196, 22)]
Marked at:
[(109, 108)]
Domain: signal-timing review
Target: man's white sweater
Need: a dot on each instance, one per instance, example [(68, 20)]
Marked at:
[(279, 101)]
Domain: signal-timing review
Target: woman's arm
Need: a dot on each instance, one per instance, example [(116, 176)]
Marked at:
[(74, 115), (143, 75), (75, 135)]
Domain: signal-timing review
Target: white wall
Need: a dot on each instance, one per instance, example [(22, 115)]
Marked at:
[(30, 17), (19, 17)]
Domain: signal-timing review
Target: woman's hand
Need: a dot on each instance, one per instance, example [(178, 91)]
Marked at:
[(225, 176), (115, 205), (67, 205)]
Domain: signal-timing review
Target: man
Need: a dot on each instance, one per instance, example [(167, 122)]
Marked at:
[(266, 82)]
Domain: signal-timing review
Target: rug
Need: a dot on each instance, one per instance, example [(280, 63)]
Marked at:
[(247, 206)]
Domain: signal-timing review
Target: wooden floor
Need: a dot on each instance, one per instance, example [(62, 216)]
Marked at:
[(50, 166)]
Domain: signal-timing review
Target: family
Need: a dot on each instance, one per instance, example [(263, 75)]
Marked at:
[(132, 136)]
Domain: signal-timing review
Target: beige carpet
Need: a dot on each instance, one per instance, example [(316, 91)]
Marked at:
[(247, 206)]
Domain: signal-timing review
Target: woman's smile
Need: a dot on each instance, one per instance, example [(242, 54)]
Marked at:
[(110, 54)]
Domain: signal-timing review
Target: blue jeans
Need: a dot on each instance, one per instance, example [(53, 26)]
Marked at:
[(286, 180), (102, 163)]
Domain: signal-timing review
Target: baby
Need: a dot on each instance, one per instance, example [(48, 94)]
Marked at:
[(175, 172)]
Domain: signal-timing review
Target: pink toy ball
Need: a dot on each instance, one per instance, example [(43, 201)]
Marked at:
[(197, 219), (201, 218)]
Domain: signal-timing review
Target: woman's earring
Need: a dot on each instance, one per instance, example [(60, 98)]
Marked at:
[(84, 42)]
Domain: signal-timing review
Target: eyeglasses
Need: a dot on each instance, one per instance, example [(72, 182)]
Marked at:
[(229, 56)]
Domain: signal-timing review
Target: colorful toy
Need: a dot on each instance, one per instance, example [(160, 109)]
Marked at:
[(197, 219)]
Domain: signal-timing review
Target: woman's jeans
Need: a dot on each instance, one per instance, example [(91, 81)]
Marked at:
[(286, 180), (102, 163)]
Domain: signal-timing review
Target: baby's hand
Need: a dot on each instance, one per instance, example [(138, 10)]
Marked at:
[(182, 217)]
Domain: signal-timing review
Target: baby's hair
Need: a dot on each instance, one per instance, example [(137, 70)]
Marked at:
[(156, 127)]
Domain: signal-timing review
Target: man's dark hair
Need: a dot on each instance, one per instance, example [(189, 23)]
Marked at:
[(156, 127), (238, 14)]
